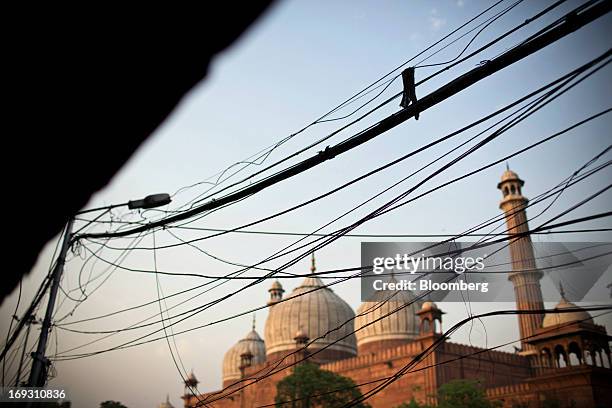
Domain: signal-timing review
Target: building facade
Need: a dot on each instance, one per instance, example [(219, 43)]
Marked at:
[(563, 357)]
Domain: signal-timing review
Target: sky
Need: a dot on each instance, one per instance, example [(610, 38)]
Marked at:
[(297, 62)]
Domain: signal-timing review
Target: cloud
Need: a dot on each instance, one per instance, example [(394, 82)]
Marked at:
[(435, 21)]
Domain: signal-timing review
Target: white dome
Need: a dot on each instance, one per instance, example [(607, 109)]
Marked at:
[(553, 319), (400, 325), (231, 361), (315, 310)]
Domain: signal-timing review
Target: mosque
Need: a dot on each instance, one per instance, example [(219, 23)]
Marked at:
[(564, 357)]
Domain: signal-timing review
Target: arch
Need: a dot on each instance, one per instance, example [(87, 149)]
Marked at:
[(437, 326), (425, 325), (588, 358), (597, 358), (605, 356), (575, 354), (512, 189), (506, 192), (546, 358), (560, 356)]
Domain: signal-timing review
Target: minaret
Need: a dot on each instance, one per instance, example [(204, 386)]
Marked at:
[(525, 277), (191, 384), (276, 293)]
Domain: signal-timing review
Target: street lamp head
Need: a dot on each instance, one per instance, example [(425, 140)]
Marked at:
[(150, 201)]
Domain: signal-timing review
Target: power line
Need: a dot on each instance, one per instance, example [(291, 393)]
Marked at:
[(402, 158), (471, 77), (565, 186), (484, 47), (360, 271), (565, 130), (266, 152), (137, 342)]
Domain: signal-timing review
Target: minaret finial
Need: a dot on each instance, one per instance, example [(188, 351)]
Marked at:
[(313, 266), (561, 291), (167, 398), (507, 166), (253, 321)]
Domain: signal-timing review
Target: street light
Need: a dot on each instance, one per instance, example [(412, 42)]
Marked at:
[(150, 201), (38, 373)]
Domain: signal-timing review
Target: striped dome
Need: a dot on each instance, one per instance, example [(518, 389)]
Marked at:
[(578, 315), (231, 361), (316, 310), (396, 325)]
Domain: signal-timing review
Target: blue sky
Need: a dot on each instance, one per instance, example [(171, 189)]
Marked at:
[(301, 59)]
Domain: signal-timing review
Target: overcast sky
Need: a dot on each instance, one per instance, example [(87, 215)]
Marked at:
[(299, 60)]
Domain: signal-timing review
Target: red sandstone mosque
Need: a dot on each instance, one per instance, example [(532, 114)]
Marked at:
[(563, 357)]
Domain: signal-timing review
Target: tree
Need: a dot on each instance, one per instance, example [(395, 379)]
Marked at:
[(464, 394), (310, 387), (412, 404), (112, 404)]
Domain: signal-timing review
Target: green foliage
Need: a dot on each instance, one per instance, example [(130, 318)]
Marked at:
[(112, 404), (412, 404), (310, 387), (464, 394)]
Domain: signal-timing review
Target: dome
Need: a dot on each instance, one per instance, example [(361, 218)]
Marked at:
[(397, 327), (553, 319), (429, 305), (509, 175), (276, 285), (231, 361), (317, 311)]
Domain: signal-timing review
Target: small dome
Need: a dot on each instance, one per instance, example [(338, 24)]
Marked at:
[(276, 285), (509, 175), (253, 344), (320, 313), (553, 319), (429, 305), (397, 326)]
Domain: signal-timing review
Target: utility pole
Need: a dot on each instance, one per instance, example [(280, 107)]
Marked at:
[(38, 374), (30, 321)]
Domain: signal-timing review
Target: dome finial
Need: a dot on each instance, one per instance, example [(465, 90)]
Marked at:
[(507, 167), (561, 291), (313, 266), (254, 321)]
